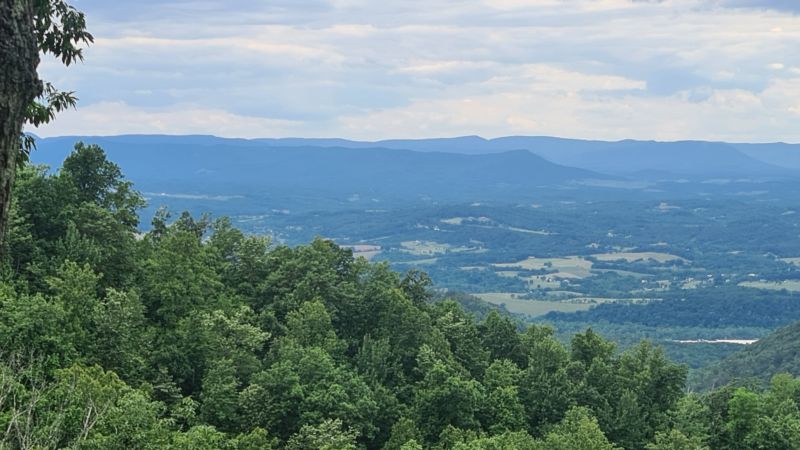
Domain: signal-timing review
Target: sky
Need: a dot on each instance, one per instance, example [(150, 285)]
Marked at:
[(375, 69)]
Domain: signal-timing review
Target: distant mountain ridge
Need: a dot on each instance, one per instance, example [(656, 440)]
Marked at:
[(629, 158), (250, 165)]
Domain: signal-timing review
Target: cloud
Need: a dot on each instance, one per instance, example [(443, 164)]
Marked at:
[(358, 68), (780, 5), (112, 118)]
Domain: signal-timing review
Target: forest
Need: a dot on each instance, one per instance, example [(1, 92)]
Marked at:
[(195, 335)]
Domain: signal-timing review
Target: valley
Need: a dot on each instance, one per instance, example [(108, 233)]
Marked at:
[(705, 257), (353, 225)]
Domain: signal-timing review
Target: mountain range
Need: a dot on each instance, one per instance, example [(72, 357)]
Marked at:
[(627, 158), (208, 164)]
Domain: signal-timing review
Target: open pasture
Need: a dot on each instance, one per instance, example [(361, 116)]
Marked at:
[(532, 308), (638, 256), (567, 267)]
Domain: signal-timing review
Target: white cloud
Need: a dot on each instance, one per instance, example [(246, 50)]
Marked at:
[(668, 69), (112, 118)]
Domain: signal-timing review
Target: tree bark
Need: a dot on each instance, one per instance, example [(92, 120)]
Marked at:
[(19, 86)]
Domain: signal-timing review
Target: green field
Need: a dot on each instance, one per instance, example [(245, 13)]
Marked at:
[(638, 256), (532, 308), (789, 285), (567, 267)]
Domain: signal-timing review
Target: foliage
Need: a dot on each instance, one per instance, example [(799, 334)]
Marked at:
[(198, 336)]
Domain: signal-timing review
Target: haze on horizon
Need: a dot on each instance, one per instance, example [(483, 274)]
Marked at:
[(596, 69)]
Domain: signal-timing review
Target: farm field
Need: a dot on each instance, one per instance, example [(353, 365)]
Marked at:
[(567, 267), (531, 308), (789, 285), (638, 256)]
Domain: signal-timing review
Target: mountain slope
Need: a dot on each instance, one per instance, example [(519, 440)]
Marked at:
[(779, 352), (690, 158), (628, 157), (199, 163), (778, 153), (647, 160)]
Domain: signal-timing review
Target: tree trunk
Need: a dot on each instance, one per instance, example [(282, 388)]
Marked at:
[(19, 86)]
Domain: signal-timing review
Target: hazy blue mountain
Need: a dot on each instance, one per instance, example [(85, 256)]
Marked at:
[(209, 164), (649, 160), (778, 153), (646, 159), (628, 157), (691, 158)]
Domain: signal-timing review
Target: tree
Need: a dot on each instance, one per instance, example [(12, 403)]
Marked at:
[(220, 395), (445, 399), (578, 431), (404, 431), (675, 440), (328, 435), (26, 28), (98, 180), (504, 411)]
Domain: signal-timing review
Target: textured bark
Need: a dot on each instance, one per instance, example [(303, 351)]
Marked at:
[(19, 86)]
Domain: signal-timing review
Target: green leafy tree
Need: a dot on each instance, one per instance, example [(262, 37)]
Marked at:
[(200, 437), (98, 180), (546, 390), (503, 410), (304, 386), (500, 337), (219, 397), (578, 431), (119, 337), (504, 441), (310, 326), (404, 431), (463, 336), (31, 324), (743, 412), (444, 398), (256, 439), (327, 435), (28, 28), (675, 440)]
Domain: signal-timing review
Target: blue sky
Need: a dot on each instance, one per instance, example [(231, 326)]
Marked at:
[(368, 69)]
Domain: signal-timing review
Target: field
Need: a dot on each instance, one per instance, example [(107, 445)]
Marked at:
[(567, 267), (424, 247), (364, 250), (432, 248), (789, 285), (638, 256), (531, 308)]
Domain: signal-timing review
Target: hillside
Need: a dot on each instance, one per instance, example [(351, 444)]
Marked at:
[(687, 158), (777, 153), (776, 353)]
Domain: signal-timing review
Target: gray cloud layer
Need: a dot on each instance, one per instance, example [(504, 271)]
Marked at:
[(669, 69)]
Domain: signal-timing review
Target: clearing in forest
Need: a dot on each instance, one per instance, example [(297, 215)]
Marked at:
[(789, 285), (638, 256), (531, 308), (567, 267)]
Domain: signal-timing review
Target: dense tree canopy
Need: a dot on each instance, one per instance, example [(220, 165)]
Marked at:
[(29, 28), (197, 336)]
